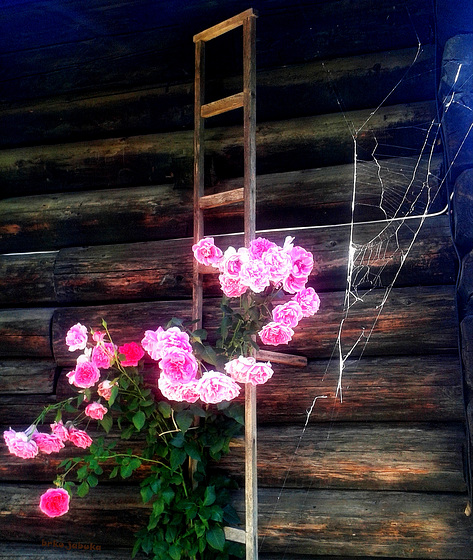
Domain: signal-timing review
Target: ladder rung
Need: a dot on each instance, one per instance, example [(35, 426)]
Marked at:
[(224, 26), (222, 105), (235, 535), (279, 358), (222, 198)]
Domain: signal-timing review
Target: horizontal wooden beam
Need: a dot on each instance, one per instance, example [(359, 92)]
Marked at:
[(224, 26)]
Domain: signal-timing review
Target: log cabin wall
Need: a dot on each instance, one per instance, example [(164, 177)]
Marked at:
[(96, 218)]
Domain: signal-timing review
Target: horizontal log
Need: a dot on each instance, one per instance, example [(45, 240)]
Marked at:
[(302, 143), (26, 333), (112, 47), (49, 549), (308, 89), (330, 522), (462, 204), (466, 332), (13, 407), (27, 376), (411, 321), (465, 285), (161, 212)]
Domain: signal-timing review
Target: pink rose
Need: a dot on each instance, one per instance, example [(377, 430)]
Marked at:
[(98, 336), (95, 410), (103, 354), (302, 261), (233, 261), (20, 443), (133, 354), (156, 343), (85, 375), (288, 314), (231, 287), (54, 502), (260, 373), (215, 387), (79, 438), (293, 284), (275, 334), (58, 429), (239, 367), (48, 443), (76, 337), (105, 389), (206, 252), (309, 301), (178, 365), (260, 246), (181, 392), (279, 264), (255, 275)]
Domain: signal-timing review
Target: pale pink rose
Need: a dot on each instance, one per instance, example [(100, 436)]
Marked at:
[(54, 502), (48, 443), (98, 336), (133, 354), (95, 410), (231, 287), (275, 334), (239, 368), (20, 443), (260, 246), (103, 354), (76, 337), (302, 261), (288, 244), (105, 389), (178, 365), (85, 375), (157, 343), (206, 252), (79, 438), (255, 275), (260, 373), (233, 260), (85, 357), (293, 284), (309, 301), (58, 429), (288, 314), (181, 392), (215, 387), (279, 264)]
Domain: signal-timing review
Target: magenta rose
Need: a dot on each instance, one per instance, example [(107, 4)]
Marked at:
[(79, 438), (279, 264), (48, 443), (260, 246), (95, 410), (259, 373), (231, 287), (206, 252), (178, 365), (76, 337), (58, 429), (288, 314), (98, 336), (21, 444), (103, 354), (133, 354), (181, 392), (54, 502), (233, 260), (308, 300), (85, 375), (239, 367), (157, 343), (302, 261), (255, 275), (294, 284), (275, 334), (215, 387)]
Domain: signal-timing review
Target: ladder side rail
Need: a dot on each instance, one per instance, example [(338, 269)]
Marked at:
[(224, 26)]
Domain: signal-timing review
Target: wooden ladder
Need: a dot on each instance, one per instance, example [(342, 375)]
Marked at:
[(247, 195)]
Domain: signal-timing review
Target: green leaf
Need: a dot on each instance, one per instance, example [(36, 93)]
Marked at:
[(175, 552), (106, 422), (114, 472), (165, 409), (209, 496), (83, 489), (82, 472), (113, 395), (192, 450), (92, 480), (216, 538), (178, 456), (168, 494), (184, 420), (146, 494)]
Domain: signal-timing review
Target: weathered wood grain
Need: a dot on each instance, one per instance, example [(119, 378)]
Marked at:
[(465, 285), (20, 377), (298, 198), (25, 333), (44, 549), (466, 331), (288, 145), (308, 89), (462, 204)]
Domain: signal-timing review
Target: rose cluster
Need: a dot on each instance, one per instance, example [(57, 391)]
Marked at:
[(262, 265)]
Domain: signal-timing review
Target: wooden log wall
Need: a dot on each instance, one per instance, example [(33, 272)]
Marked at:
[(96, 222)]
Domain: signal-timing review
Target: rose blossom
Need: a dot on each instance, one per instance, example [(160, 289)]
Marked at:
[(288, 314), (103, 354), (58, 429), (302, 261), (95, 410), (85, 375), (48, 443), (79, 438), (260, 246), (260, 373), (54, 502), (255, 275), (133, 354), (294, 284), (231, 287), (98, 336), (215, 387), (76, 337), (105, 389), (206, 252), (308, 300), (279, 264), (180, 392), (239, 367), (20, 443), (179, 366), (275, 334), (157, 343), (233, 261)]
